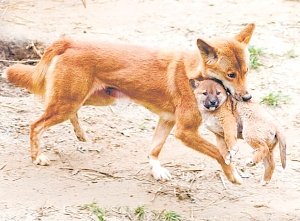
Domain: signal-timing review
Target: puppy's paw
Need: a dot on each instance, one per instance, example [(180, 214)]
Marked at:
[(42, 160), (250, 162)]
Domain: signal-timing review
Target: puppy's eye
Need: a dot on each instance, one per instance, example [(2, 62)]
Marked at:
[(204, 93), (232, 75), (218, 92)]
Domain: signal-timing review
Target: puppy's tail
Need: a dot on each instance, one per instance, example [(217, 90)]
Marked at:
[(33, 78), (282, 147)]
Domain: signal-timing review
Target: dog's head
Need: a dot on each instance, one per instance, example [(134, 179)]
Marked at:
[(210, 95), (227, 60)]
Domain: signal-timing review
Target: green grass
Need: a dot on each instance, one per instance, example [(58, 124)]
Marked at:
[(171, 216), (140, 212), (291, 54), (274, 99), (255, 55), (96, 210)]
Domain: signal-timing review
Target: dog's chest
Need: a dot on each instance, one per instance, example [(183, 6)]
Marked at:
[(212, 123)]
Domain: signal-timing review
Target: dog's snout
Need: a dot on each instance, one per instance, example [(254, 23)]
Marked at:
[(213, 103), (247, 97)]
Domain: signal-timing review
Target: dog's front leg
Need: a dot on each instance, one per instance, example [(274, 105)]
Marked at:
[(162, 131), (188, 121)]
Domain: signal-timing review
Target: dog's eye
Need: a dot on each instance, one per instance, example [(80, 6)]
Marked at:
[(204, 93), (232, 75), (218, 92)]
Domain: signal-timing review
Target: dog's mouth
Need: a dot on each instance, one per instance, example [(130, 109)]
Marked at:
[(211, 107)]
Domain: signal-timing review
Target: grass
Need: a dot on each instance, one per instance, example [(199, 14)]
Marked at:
[(291, 54), (274, 99), (171, 216), (139, 212), (255, 54), (96, 210)]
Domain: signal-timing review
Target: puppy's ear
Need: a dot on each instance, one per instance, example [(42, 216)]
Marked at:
[(245, 35), (194, 83), (208, 52)]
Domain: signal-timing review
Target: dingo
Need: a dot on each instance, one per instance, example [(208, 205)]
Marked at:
[(71, 74)]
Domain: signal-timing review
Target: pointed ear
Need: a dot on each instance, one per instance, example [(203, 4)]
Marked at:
[(194, 83), (208, 53), (245, 35)]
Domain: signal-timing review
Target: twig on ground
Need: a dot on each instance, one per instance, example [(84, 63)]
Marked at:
[(84, 3), (35, 49), (11, 107), (222, 180), (3, 166), (156, 193), (91, 170), (20, 62)]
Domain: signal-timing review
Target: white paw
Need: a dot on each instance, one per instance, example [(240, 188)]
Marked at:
[(159, 172), (42, 160), (237, 176), (234, 150), (264, 182), (228, 158), (250, 162)]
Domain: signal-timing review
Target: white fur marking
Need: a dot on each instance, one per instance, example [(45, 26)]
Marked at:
[(4, 74), (42, 160), (159, 172), (167, 116), (49, 78)]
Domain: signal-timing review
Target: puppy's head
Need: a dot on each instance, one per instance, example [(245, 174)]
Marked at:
[(210, 95)]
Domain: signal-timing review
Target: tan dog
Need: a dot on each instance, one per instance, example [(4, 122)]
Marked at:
[(229, 119), (71, 74)]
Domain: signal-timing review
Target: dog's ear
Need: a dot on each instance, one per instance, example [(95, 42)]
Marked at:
[(245, 35), (194, 83), (208, 52)]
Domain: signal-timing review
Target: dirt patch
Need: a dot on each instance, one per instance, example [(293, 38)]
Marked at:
[(112, 169)]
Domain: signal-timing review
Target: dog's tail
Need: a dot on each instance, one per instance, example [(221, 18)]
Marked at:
[(33, 78), (282, 147)]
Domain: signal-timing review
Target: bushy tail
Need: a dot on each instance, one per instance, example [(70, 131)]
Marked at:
[(21, 76), (33, 78), (282, 147)]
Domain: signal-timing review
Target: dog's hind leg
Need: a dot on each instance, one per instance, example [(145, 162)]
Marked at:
[(56, 112), (162, 131), (79, 132)]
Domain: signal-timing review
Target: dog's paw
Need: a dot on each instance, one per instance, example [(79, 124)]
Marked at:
[(42, 160), (234, 150), (237, 177), (228, 158), (264, 182), (159, 172), (250, 163)]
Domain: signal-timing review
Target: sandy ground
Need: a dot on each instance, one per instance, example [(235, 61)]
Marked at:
[(113, 170)]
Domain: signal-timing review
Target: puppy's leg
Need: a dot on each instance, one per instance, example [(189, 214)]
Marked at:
[(55, 113), (230, 137), (269, 165), (80, 134), (187, 123), (224, 150), (162, 131), (261, 151)]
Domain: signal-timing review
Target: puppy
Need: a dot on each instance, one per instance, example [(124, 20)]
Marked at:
[(229, 119)]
